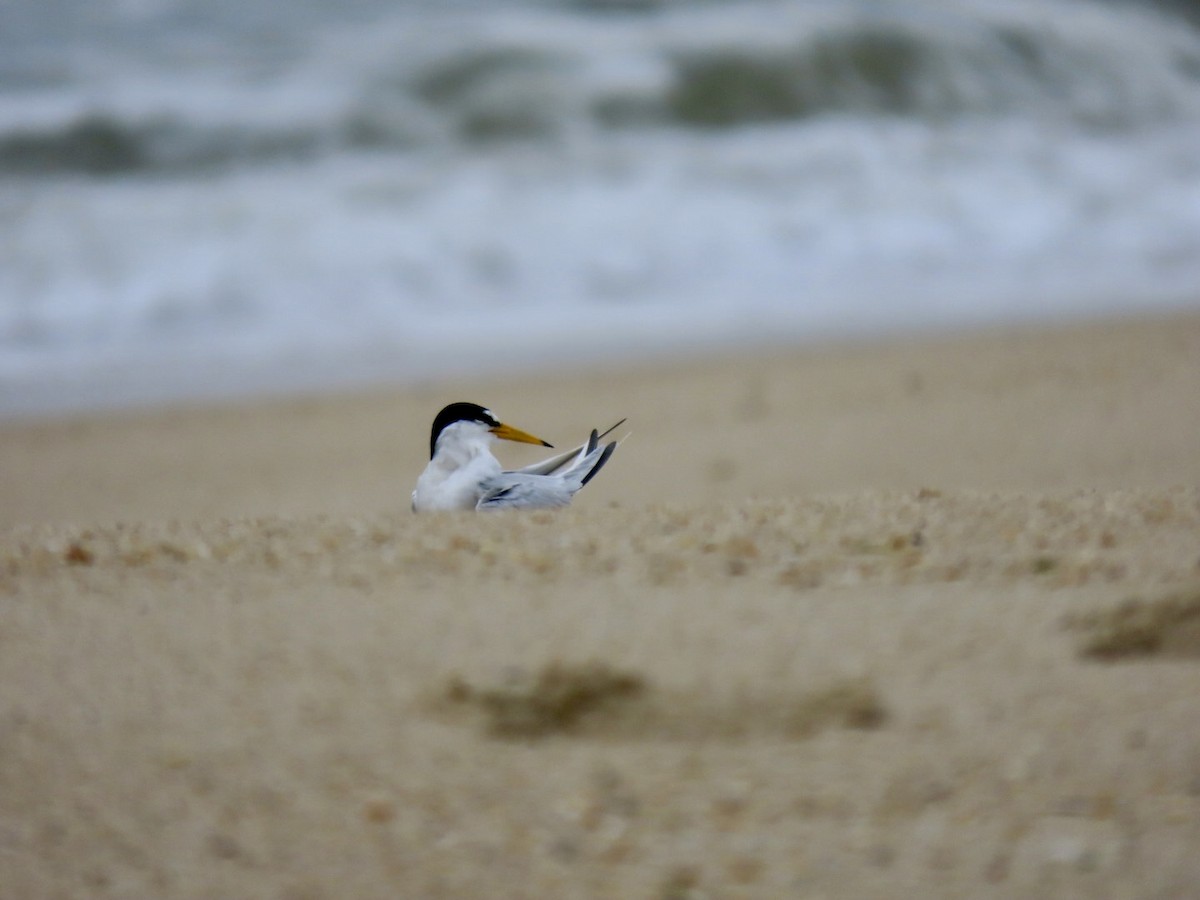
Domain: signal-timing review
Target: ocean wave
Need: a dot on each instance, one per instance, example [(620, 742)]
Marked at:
[(549, 182), (556, 74), (910, 69), (99, 144)]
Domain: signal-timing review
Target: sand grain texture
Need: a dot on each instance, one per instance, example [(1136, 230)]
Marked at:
[(915, 620)]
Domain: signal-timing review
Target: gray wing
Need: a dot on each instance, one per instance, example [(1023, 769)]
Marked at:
[(528, 490), (518, 490), (554, 463)]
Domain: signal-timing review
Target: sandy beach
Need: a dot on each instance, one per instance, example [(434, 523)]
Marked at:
[(915, 618)]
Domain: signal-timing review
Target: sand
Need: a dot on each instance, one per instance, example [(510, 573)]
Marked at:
[(910, 619)]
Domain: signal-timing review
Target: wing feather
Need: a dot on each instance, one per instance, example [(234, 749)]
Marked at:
[(514, 490), (550, 483), (554, 463)]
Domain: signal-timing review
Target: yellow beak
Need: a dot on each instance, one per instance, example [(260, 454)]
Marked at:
[(508, 433)]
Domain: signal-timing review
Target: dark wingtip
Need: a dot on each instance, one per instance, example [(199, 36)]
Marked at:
[(608, 451), (611, 429)]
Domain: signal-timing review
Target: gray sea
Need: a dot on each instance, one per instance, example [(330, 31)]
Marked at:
[(221, 198)]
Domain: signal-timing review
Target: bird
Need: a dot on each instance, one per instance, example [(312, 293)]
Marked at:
[(462, 473)]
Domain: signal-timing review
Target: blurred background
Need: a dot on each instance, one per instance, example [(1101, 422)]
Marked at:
[(219, 198)]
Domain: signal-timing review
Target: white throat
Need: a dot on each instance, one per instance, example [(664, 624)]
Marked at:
[(459, 444)]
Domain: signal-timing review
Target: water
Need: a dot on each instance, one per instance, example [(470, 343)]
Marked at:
[(208, 199)]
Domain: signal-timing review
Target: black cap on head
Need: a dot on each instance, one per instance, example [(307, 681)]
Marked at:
[(459, 412)]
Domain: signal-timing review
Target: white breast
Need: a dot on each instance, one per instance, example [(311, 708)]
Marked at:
[(445, 486)]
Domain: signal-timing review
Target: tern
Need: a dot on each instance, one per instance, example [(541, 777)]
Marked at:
[(463, 474)]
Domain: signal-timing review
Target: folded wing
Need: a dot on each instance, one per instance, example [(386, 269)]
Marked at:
[(550, 483)]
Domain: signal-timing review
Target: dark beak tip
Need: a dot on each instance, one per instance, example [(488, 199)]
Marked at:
[(547, 444)]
